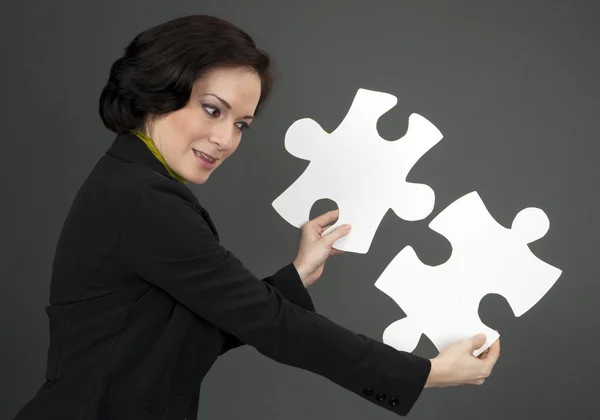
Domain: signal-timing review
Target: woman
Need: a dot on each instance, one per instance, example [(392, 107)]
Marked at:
[(143, 297)]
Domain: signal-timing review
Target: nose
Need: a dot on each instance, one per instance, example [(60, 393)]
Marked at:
[(222, 136)]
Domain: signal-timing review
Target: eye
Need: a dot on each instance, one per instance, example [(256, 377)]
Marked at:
[(213, 111), (242, 126)]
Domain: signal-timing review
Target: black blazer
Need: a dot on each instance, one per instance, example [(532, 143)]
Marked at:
[(144, 299)]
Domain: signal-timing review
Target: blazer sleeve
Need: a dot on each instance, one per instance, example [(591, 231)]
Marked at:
[(287, 281), (166, 241)]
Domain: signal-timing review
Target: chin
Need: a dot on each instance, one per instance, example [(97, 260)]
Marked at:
[(198, 178)]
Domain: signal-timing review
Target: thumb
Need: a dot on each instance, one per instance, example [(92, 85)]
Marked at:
[(337, 233), (478, 341)]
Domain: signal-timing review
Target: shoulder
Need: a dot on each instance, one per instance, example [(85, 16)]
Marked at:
[(135, 180), (155, 193), (163, 216)]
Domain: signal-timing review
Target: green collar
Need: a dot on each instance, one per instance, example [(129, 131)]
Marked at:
[(150, 144)]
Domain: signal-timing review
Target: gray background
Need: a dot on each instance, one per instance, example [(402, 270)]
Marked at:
[(512, 85)]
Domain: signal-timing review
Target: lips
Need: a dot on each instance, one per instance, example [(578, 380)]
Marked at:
[(209, 158)]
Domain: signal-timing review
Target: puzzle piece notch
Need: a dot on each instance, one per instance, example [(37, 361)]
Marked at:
[(362, 173), (471, 229), (364, 113), (442, 301)]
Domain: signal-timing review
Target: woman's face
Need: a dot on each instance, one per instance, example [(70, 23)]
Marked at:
[(196, 139)]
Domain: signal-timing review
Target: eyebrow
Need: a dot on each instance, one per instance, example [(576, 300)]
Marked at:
[(224, 102)]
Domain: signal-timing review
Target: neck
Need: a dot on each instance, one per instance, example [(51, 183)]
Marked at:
[(150, 144)]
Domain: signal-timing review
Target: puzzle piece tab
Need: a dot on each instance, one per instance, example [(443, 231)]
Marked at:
[(442, 302), (363, 173)]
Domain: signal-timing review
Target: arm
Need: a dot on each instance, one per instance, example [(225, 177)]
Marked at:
[(166, 241), (288, 282)]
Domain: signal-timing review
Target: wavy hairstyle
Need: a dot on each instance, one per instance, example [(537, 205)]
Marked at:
[(156, 73)]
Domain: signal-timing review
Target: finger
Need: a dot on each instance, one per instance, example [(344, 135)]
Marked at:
[(321, 229), (326, 218), (493, 352), (335, 234), (335, 252), (477, 341)]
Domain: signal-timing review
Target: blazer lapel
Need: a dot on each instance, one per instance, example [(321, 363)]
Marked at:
[(130, 148)]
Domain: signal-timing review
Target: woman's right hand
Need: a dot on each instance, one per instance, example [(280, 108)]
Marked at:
[(456, 365), (315, 249)]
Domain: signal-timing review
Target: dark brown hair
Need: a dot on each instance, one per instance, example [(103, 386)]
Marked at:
[(160, 65)]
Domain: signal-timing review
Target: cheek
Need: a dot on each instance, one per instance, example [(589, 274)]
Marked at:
[(189, 129), (186, 120)]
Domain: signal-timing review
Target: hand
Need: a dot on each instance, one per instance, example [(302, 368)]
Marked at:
[(314, 249), (456, 365)]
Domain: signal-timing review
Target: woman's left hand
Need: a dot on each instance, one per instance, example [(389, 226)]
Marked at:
[(314, 249)]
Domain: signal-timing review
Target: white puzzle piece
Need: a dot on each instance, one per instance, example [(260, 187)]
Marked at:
[(442, 301), (363, 173)]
